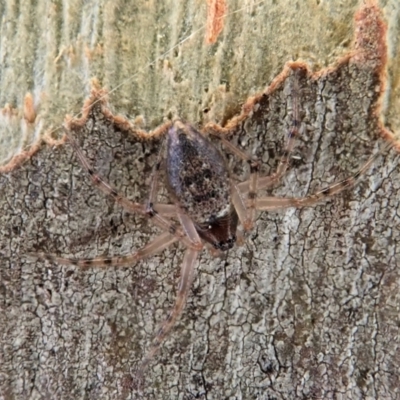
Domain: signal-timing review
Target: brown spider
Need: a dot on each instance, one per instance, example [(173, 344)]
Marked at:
[(209, 207)]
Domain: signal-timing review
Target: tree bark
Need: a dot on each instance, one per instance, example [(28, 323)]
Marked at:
[(306, 308)]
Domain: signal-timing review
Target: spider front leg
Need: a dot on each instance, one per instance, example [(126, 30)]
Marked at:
[(276, 203)]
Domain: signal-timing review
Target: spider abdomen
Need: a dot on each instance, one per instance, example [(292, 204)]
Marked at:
[(199, 180)]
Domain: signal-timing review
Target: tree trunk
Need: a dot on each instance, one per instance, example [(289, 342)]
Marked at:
[(306, 308)]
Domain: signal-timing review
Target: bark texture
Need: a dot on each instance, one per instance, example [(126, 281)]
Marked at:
[(307, 308)]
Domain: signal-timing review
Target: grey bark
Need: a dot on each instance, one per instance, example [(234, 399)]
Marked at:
[(308, 307)]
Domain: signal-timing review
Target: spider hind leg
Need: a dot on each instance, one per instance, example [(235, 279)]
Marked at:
[(186, 278), (276, 203), (157, 245)]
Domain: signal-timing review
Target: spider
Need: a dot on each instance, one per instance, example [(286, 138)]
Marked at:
[(209, 207)]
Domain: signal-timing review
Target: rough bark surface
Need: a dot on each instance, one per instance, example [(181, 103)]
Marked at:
[(307, 308)]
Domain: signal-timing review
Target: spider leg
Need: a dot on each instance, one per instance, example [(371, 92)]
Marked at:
[(276, 203), (186, 278), (167, 210), (186, 222), (244, 210), (131, 206), (190, 231), (154, 182), (270, 180), (157, 245)]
